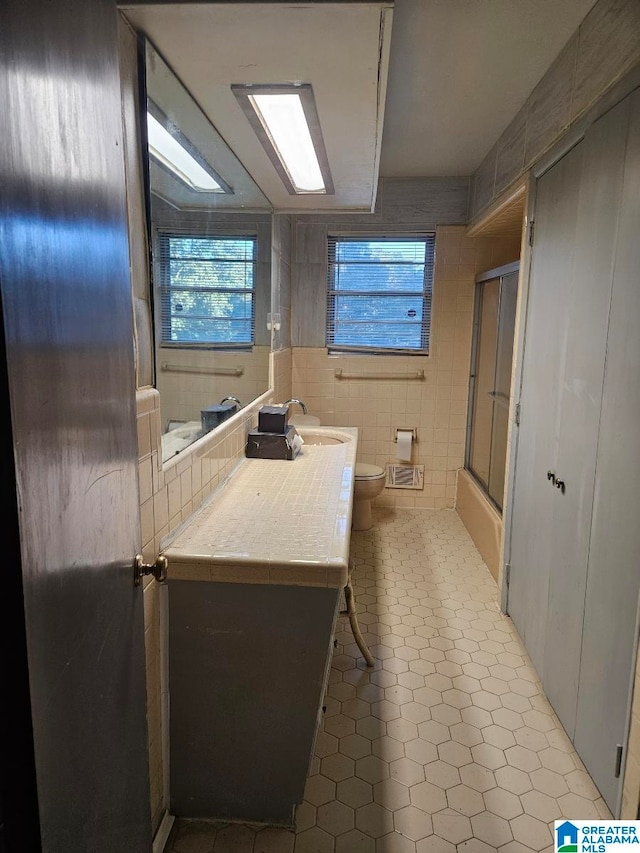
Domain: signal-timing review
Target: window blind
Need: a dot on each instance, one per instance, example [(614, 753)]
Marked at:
[(379, 293), (207, 289)]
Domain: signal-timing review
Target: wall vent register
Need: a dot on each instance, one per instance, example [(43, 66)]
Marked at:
[(405, 476)]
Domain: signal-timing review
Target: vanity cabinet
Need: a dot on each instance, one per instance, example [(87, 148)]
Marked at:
[(248, 665), (255, 581)]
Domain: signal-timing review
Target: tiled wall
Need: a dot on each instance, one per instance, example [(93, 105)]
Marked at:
[(282, 367), (482, 520), (600, 52), (435, 406)]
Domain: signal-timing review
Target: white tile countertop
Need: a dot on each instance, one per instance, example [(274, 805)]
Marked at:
[(275, 521)]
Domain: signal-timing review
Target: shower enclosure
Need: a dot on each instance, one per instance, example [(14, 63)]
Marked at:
[(490, 378)]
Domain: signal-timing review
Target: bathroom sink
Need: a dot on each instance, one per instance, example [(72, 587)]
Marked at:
[(324, 435), (322, 439)]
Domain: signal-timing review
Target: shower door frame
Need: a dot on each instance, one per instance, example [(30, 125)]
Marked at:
[(481, 279)]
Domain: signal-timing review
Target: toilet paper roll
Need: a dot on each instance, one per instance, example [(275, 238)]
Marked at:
[(403, 445)]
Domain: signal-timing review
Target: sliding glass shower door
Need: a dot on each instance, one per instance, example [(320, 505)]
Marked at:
[(490, 380)]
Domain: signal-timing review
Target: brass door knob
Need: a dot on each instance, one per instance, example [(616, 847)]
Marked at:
[(158, 569)]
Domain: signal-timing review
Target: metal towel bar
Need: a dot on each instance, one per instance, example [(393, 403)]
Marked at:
[(340, 374), (191, 368)]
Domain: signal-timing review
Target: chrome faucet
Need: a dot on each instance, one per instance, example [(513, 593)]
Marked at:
[(299, 402), (233, 399)]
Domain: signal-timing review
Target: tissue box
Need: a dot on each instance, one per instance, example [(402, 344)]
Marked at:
[(272, 445), (213, 416), (273, 419)]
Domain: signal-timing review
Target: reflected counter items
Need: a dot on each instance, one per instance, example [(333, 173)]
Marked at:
[(213, 416)]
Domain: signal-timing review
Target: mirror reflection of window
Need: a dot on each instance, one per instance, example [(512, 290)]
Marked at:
[(207, 289), (210, 229)]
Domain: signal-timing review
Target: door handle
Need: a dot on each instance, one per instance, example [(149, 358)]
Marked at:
[(158, 569), (560, 485), (551, 476)]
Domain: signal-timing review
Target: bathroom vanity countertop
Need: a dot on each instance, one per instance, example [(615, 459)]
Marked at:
[(275, 521)]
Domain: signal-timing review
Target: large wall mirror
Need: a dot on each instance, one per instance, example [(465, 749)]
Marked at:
[(210, 231)]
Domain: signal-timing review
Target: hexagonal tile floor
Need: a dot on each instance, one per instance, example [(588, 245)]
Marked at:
[(448, 743)]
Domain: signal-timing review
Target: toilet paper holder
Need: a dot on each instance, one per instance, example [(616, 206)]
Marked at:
[(412, 430)]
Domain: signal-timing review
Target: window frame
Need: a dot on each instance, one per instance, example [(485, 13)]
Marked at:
[(426, 237), (164, 290)]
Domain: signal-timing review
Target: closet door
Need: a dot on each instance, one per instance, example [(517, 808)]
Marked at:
[(557, 201), (583, 341), (613, 581)]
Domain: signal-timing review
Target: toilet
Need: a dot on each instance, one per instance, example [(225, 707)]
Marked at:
[(368, 484)]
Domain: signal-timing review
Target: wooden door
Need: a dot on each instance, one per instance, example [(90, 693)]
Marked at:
[(67, 317), (533, 493)]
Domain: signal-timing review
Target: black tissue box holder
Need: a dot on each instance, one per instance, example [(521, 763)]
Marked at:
[(272, 445), (273, 419)]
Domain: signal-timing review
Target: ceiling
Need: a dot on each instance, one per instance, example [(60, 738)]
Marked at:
[(424, 91), (459, 72)]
